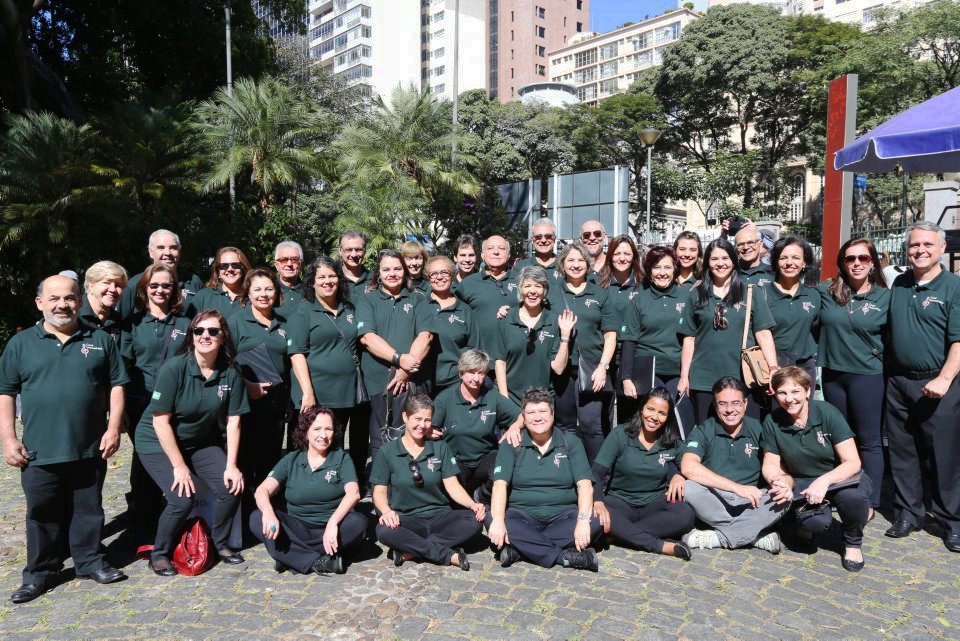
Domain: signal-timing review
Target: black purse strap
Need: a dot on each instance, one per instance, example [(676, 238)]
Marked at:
[(860, 332), (356, 361)]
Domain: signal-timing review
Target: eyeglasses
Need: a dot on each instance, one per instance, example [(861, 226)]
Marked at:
[(225, 266), (213, 331), (543, 236), (417, 474), (353, 250), (807, 507), (164, 286), (747, 243), (440, 273), (587, 235), (288, 259), (734, 404), (720, 316), (865, 259)]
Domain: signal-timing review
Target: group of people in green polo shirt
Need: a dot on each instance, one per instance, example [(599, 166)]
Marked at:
[(472, 394)]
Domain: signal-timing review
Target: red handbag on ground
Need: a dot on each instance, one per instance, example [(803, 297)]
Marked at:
[(193, 554)]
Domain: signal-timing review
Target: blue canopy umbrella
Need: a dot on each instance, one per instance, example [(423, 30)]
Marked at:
[(924, 138)]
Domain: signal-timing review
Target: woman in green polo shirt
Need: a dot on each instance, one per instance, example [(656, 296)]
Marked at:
[(154, 333), (853, 325), (456, 330), (103, 285), (712, 325), (689, 253), (179, 435), (320, 492), (532, 342), (810, 458), (224, 289), (414, 480), (259, 323), (415, 258), (641, 500)]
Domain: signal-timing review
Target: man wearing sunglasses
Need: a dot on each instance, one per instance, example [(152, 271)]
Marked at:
[(543, 238), (489, 290), (69, 377), (288, 261), (749, 245), (163, 246), (594, 237)]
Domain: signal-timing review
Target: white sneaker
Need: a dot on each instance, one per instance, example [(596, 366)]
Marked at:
[(769, 542), (702, 539)]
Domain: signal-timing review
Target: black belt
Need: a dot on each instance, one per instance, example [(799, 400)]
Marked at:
[(914, 375)]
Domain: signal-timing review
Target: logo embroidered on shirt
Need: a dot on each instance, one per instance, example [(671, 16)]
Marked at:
[(282, 333), (762, 281), (453, 318), (663, 458), (870, 307), (820, 439), (86, 348), (587, 303), (749, 449), (432, 462), (177, 332), (329, 476), (221, 389), (544, 336), (931, 299), (350, 318), (631, 295), (407, 307), (557, 457), (485, 413), (738, 306), (807, 306), (680, 307)]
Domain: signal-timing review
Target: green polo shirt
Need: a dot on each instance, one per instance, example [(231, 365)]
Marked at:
[(637, 475), (470, 429), (808, 452), (292, 297), (924, 321), (313, 495), (455, 333), (145, 344), (795, 317), (621, 296), (485, 295), (844, 349), (195, 404), (330, 357), (651, 322), (736, 458), (248, 332), (358, 288), (64, 389), (761, 275), (392, 468), (689, 283), (528, 361), (543, 485), (190, 286), (596, 314), (717, 351), (398, 321), (111, 325), (421, 285), (218, 299)]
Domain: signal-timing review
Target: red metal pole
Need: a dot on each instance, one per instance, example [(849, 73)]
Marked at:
[(838, 185)]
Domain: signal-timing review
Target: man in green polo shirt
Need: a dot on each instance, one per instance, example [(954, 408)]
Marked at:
[(752, 270), (923, 395), (65, 373), (164, 247), (721, 460), (288, 261), (489, 290), (352, 251)]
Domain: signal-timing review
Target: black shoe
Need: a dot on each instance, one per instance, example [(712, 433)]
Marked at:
[(280, 567), (167, 570), (104, 575), (328, 564), (508, 556), (397, 557), (851, 566), (900, 529), (586, 560), (29, 591), (464, 561), (231, 558), (682, 551), (952, 541)]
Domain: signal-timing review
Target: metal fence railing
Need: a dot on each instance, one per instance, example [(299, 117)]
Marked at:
[(887, 239)]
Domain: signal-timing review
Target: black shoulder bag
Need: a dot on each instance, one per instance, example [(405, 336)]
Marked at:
[(361, 387)]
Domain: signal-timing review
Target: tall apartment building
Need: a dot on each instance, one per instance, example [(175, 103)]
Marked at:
[(441, 20), (607, 64), (854, 11), (521, 32)]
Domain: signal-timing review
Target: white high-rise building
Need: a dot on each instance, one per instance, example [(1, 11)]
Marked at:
[(467, 19), (856, 11)]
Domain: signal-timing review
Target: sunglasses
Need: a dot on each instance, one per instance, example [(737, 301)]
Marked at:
[(503, 291), (720, 316), (225, 266), (213, 331), (415, 471), (543, 236), (164, 286), (288, 259), (587, 235), (807, 507), (531, 340), (865, 259)]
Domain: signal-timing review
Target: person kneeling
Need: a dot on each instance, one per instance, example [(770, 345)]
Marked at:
[(721, 460), (320, 487), (416, 521), (548, 485)]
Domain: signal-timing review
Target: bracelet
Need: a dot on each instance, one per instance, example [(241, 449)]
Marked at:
[(583, 516), (564, 340), (396, 359), (604, 365)]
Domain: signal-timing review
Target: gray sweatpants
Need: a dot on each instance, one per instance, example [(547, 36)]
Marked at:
[(737, 523)]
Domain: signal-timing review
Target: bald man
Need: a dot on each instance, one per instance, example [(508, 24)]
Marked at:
[(68, 376), (489, 290), (749, 245), (594, 237)]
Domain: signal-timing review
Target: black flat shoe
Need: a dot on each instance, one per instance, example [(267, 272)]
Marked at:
[(397, 557), (231, 558), (682, 551), (28, 592), (900, 529), (167, 570), (464, 563), (850, 565), (508, 556), (104, 575), (952, 542)]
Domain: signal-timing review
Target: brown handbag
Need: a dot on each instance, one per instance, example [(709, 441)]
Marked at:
[(756, 372)]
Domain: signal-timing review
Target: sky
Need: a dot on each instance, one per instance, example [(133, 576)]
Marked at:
[(606, 15)]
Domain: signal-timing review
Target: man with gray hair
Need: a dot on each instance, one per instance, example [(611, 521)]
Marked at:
[(923, 395), (749, 244), (490, 289), (163, 246), (543, 237), (69, 376), (288, 261), (594, 238)]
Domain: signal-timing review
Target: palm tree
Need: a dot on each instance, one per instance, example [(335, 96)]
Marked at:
[(267, 126)]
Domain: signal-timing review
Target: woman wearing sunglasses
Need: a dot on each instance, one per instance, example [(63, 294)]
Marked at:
[(712, 328), (853, 322), (455, 327), (150, 336), (414, 480), (224, 289), (179, 435), (531, 342), (810, 459)]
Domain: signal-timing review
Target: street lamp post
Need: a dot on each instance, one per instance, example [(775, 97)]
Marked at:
[(649, 138)]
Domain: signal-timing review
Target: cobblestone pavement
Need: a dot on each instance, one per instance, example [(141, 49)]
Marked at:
[(909, 590)]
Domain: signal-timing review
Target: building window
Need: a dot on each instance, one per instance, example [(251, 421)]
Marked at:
[(438, 16), (608, 51), (541, 12), (579, 27), (541, 70), (584, 58), (438, 53), (585, 75), (587, 93), (541, 32), (541, 50), (668, 33), (439, 89), (437, 35), (424, 56), (642, 41), (439, 71), (579, 5), (797, 197), (511, 73), (608, 69), (556, 61)]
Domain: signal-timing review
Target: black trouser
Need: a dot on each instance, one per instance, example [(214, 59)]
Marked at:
[(859, 397), (852, 505), (354, 422), (586, 415), (479, 476), (431, 537), (64, 507), (542, 541), (647, 526), (261, 437), (146, 499), (924, 443), (299, 544), (703, 404), (208, 463), (377, 420)]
